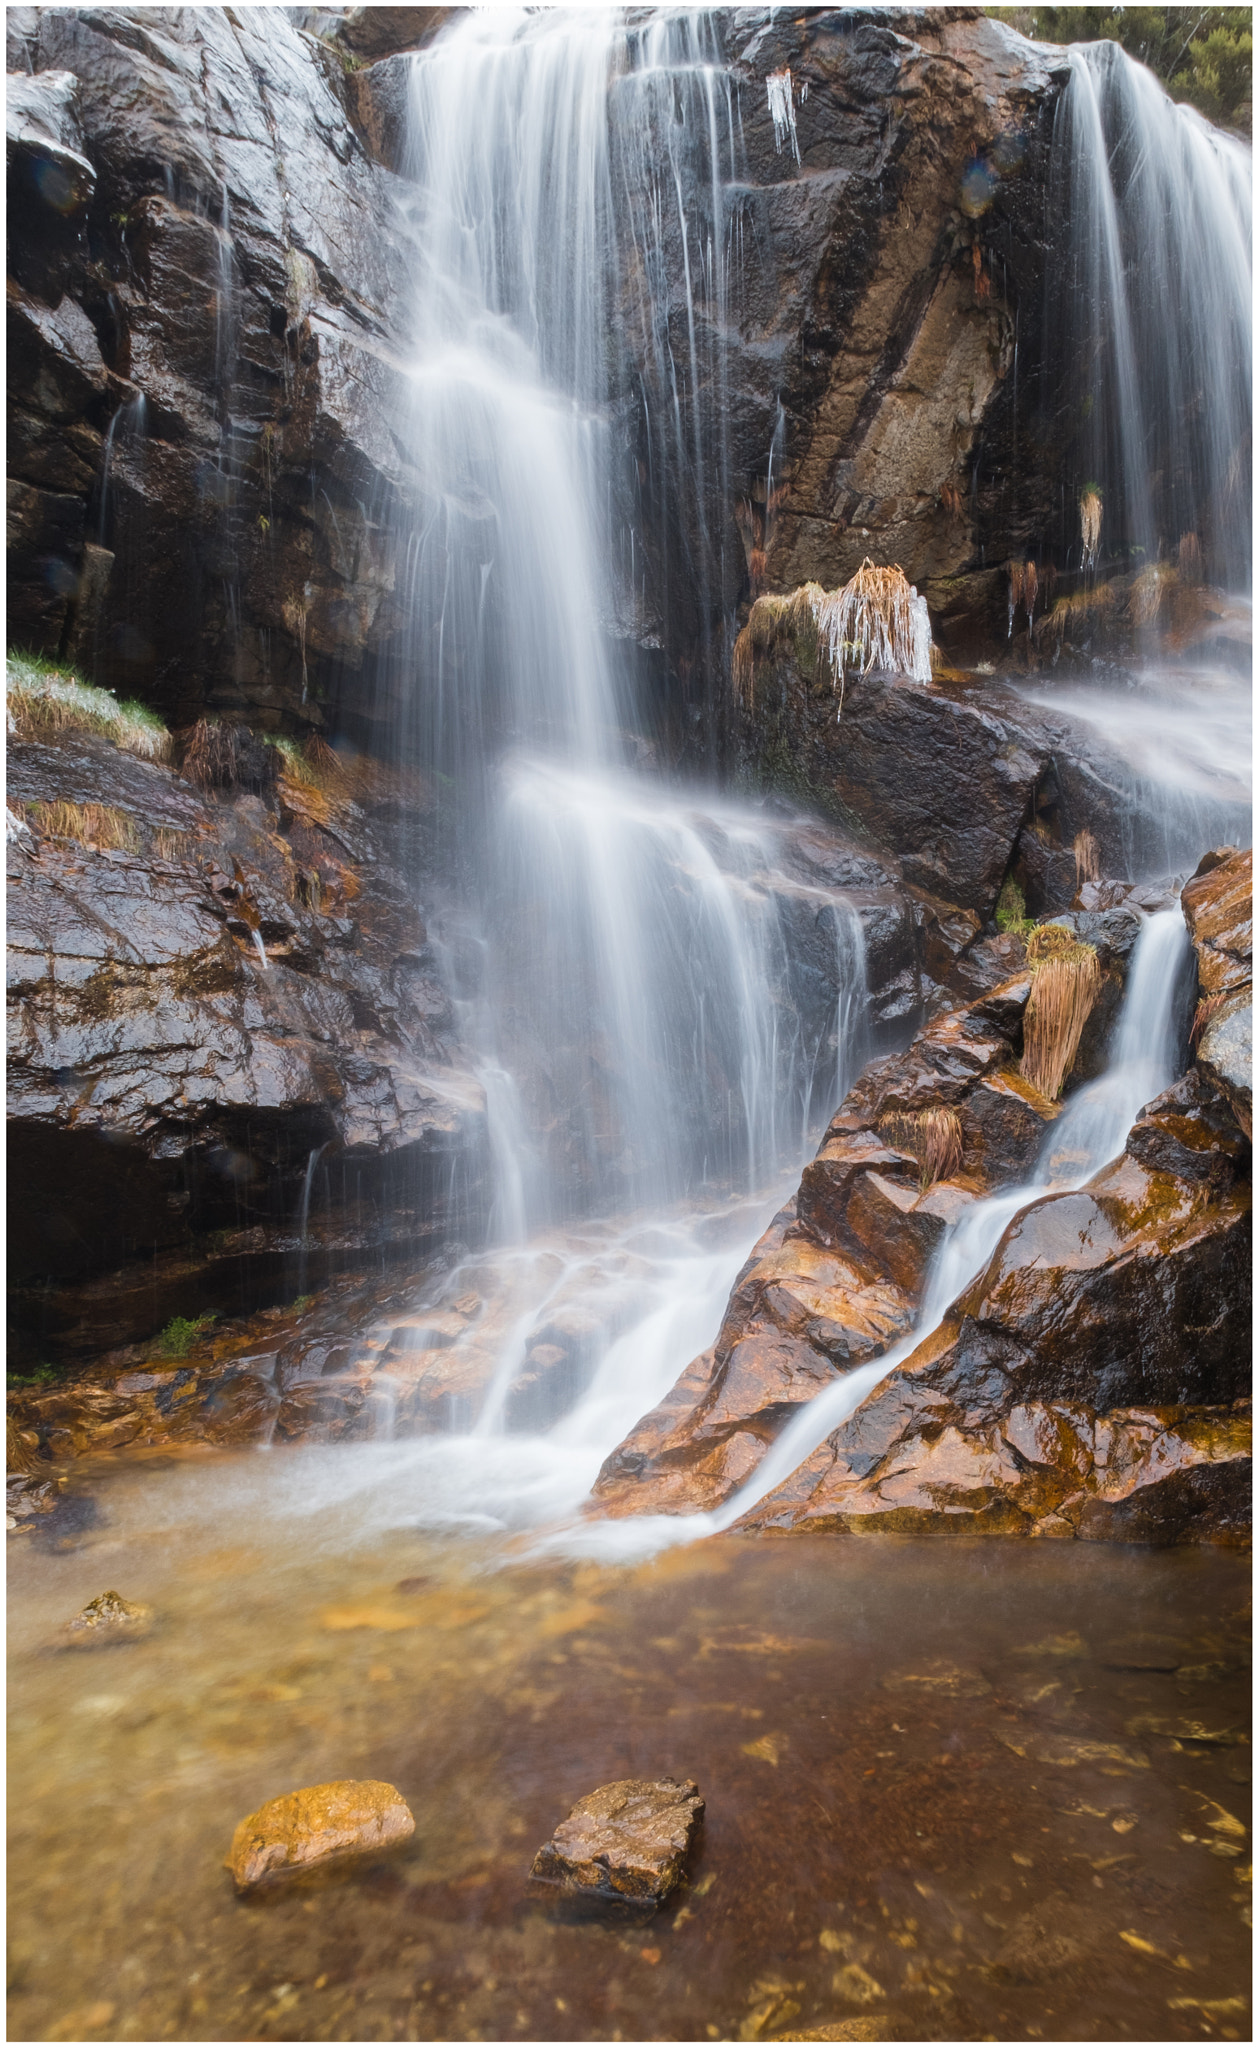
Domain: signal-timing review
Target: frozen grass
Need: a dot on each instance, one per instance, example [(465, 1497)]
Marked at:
[(45, 699)]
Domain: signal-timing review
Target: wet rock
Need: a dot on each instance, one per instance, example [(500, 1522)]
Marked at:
[(107, 1619), (167, 1092), (624, 1844), (1218, 911), (318, 1828), (1019, 1416), (179, 191), (837, 1277)]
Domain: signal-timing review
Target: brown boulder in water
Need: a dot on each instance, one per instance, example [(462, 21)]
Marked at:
[(623, 1844), (316, 1828), (107, 1619)]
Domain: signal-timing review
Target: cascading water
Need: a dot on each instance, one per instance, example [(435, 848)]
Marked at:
[(1149, 315), (662, 1008), (1091, 1131)]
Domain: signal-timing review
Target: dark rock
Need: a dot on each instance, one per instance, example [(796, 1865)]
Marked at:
[(164, 1085), (1218, 910), (622, 1845)]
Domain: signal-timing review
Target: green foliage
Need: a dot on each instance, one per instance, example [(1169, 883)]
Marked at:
[(39, 1378), (302, 1301), (1011, 912), (1201, 54), (180, 1334)]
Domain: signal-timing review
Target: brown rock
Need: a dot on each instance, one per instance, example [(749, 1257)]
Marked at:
[(1217, 907), (107, 1619), (318, 1828), (625, 1843)]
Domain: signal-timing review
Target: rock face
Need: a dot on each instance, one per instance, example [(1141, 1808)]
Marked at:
[(318, 1828), (965, 781), (202, 1060), (1218, 910), (1092, 1382), (624, 1844), (203, 278)]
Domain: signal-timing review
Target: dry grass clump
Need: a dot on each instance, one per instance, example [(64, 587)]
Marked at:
[(96, 825), (210, 754), (1189, 558), (1090, 523), (172, 846), (1088, 859), (932, 1136), (1078, 615), (1024, 590), (1150, 591), (1066, 978), (44, 700), (877, 620)]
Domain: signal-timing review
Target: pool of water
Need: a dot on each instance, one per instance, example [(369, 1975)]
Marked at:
[(955, 1790)]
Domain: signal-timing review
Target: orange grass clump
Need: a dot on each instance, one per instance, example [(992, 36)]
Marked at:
[(1088, 859), (96, 825), (933, 1136), (1066, 978), (1090, 523)]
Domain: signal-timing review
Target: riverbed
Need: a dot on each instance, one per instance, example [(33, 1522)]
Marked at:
[(954, 1790)]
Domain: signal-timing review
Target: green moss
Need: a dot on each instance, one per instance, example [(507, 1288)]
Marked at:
[(1011, 912)]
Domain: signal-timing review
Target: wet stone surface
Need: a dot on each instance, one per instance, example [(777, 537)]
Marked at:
[(953, 1791)]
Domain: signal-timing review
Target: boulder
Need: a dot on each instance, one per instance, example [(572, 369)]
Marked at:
[(1217, 903), (318, 1828), (107, 1619), (622, 1845)]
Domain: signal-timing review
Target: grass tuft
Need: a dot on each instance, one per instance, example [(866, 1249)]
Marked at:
[(96, 825), (933, 1136), (44, 699), (1066, 978)]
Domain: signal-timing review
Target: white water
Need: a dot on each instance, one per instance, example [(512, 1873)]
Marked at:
[(1152, 305), (1179, 774), (662, 1006)]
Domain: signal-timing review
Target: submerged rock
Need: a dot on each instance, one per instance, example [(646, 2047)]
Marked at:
[(107, 1619), (624, 1844), (318, 1828)]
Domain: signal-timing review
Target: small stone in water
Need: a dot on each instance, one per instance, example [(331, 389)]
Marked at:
[(316, 1827), (107, 1619), (624, 1843)]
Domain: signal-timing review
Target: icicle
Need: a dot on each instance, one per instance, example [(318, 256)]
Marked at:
[(782, 111)]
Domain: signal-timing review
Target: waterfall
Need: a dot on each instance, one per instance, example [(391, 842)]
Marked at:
[(1148, 313), (664, 1008), (618, 950)]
